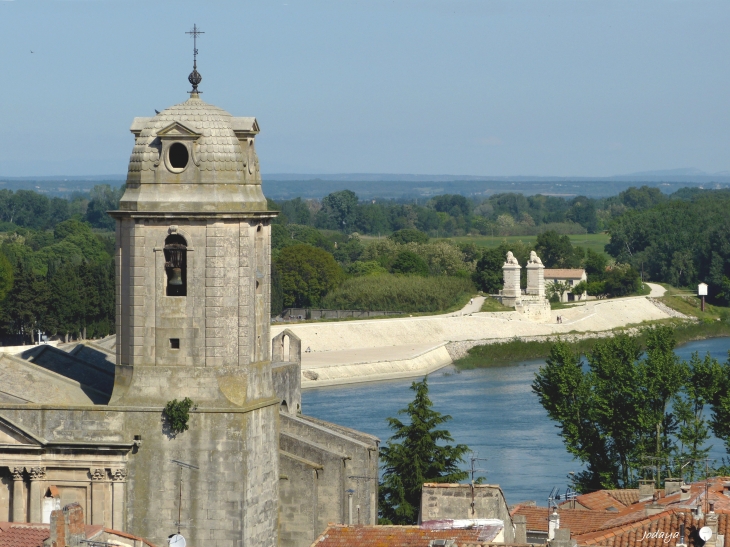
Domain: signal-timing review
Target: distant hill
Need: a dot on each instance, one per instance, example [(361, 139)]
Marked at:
[(408, 186)]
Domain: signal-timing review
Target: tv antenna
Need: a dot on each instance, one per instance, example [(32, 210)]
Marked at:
[(181, 465), (473, 469), (555, 497)]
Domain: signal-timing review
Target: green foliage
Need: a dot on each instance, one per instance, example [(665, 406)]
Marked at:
[(338, 211), (370, 267), (406, 293), (103, 198), (408, 262), (681, 242), (557, 251), (408, 235), (703, 379), (418, 452), (177, 414), (629, 405), (6, 276), (555, 290), (641, 198), (307, 274), (488, 276)]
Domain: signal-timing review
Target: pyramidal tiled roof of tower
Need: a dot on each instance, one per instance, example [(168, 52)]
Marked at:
[(217, 150)]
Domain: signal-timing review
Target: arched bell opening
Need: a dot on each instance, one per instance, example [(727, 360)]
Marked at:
[(176, 255)]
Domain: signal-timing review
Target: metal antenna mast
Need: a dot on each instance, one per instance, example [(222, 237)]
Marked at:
[(179, 505), (195, 78), (474, 458)]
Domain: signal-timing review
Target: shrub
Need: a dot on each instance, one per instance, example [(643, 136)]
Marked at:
[(408, 262), (406, 293), (307, 273), (177, 414), (408, 235)]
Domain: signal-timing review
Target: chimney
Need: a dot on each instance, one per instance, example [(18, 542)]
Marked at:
[(562, 538), (67, 526), (653, 508), (553, 524), (520, 522), (646, 490), (726, 488), (685, 495), (711, 523), (672, 486)]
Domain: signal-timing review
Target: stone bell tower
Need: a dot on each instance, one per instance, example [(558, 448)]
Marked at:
[(192, 318)]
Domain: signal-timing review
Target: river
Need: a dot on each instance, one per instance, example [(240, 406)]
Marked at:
[(494, 412)]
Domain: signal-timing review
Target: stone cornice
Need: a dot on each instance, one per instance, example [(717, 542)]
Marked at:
[(233, 215)]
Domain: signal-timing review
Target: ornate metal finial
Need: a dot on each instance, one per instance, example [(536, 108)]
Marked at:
[(195, 78)]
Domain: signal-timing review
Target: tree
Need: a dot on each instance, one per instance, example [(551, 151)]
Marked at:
[(414, 455), (6, 276), (557, 251), (338, 211), (595, 265), (565, 392), (307, 274), (103, 198), (408, 262), (408, 235), (702, 383), (556, 289), (662, 377), (615, 413)]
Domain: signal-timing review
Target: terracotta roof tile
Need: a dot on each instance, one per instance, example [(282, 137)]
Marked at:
[(14, 534), (390, 536), (660, 530), (578, 520), (563, 273), (601, 500)]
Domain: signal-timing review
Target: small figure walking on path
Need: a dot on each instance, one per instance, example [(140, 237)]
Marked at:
[(471, 301)]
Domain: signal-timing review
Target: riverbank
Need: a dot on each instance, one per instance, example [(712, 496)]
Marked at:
[(467, 356)]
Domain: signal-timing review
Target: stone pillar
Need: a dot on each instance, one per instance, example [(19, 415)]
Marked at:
[(19, 513), (536, 279), (119, 478), (520, 522), (711, 523), (37, 475), (98, 477), (511, 293)]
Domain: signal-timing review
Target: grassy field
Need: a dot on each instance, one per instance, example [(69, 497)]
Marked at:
[(596, 242), (490, 304)]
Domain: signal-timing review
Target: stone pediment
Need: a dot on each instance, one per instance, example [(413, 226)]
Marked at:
[(177, 130), (245, 127), (13, 436)]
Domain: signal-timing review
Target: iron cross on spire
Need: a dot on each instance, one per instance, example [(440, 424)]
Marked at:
[(195, 78)]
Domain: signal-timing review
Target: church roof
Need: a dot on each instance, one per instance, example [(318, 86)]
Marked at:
[(217, 148)]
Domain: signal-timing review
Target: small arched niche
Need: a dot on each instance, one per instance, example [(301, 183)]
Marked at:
[(176, 262)]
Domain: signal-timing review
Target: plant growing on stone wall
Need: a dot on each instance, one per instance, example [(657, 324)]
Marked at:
[(177, 414)]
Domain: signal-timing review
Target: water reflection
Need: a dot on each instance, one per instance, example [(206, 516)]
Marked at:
[(494, 412)]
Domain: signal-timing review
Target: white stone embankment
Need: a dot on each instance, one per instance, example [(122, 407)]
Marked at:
[(359, 351)]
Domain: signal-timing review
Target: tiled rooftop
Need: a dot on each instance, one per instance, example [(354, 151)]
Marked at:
[(579, 521), (653, 531), (14, 534), (390, 536)]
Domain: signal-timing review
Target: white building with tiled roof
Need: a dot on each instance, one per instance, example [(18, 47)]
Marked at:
[(571, 276)]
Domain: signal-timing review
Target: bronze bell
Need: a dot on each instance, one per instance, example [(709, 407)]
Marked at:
[(176, 278)]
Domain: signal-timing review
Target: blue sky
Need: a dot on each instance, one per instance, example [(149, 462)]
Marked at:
[(547, 87)]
